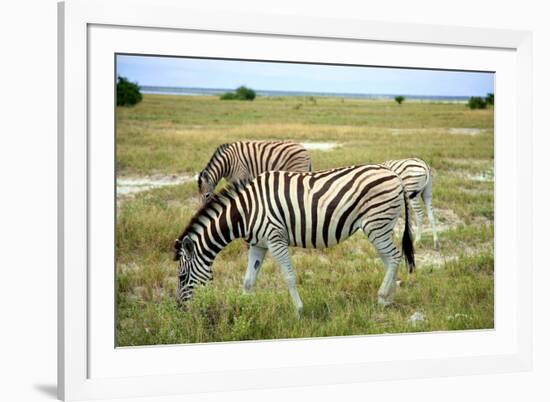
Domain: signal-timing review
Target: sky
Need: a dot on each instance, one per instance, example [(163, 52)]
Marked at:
[(229, 74)]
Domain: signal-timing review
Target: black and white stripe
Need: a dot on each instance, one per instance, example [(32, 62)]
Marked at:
[(417, 179), (312, 210), (240, 162)]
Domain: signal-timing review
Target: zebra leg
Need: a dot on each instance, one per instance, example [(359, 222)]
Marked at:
[(418, 215), (427, 196), (255, 258), (390, 255), (279, 250)]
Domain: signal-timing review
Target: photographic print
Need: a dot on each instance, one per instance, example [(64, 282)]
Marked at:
[(260, 200)]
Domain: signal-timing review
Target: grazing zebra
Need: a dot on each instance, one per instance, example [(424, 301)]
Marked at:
[(240, 162), (311, 210), (417, 180)]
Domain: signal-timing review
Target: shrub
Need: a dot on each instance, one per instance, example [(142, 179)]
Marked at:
[(227, 96), (241, 93), (399, 99), (244, 93), (490, 99), (476, 102), (127, 93)]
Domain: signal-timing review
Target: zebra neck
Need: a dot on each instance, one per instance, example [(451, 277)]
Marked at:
[(224, 223), (219, 167)]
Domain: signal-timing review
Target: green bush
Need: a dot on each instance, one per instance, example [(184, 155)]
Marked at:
[(476, 102), (399, 99), (127, 93), (227, 96), (490, 99), (241, 93), (244, 93)]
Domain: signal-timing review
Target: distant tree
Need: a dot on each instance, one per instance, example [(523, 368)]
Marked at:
[(244, 93), (490, 99), (476, 102), (399, 99), (241, 93), (127, 93)]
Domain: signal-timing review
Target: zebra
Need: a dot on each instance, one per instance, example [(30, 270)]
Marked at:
[(417, 178), (311, 210), (240, 162)]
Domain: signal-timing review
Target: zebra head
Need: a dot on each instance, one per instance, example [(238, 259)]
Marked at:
[(206, 187), (192, 269)]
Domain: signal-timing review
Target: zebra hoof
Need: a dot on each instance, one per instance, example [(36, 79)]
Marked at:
[(247, 286)]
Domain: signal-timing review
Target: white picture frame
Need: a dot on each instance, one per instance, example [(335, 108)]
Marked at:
[(83, 24)]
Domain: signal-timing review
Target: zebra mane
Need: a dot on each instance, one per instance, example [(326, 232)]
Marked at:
[(227, 193)]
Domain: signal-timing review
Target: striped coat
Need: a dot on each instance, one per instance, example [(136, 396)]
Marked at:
[(242, 161), (417, 179), (312, 210)]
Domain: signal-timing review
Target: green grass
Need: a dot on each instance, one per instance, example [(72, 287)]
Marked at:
[(165, 135)]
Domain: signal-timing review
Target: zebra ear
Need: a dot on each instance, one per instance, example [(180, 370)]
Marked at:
[(188, 246), (202, 177)]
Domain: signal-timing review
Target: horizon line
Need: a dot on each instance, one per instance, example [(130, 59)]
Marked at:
[(311, 92)]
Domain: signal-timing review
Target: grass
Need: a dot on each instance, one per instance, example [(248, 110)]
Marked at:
[(172, 135)]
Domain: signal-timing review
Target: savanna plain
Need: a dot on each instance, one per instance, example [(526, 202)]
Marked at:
[(164, 141)]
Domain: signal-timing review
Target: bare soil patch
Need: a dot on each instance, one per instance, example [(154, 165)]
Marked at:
[(438, 258), (127, 186), (466, 131), (445, 219), (320, 146), (486, 175)]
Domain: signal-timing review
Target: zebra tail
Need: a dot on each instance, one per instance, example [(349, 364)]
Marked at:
[(407, 243)]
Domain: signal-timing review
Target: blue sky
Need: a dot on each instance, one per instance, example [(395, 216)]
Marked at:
[(185, 72)]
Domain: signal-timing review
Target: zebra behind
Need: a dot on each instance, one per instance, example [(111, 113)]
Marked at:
[(240, 162), (311, 210), (417, 180)]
